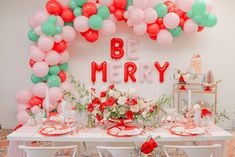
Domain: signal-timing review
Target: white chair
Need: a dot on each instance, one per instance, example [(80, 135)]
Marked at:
[(195, 151), (46, 151), (116, 151)]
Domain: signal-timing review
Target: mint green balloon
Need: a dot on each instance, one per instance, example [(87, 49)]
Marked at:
[(52, 19), (103, 12), (190, 13), (73, 4), (54, 81), (64, 67), (54, 70), (95, 22), (199, 8), (49, 28), (69, 24), (176, 32), (161, 9), (58, 30), (129, 2), (35, 79), (33, 36), (81, 2), (77, 11), (211, 20), (197, 18), (45, 78)]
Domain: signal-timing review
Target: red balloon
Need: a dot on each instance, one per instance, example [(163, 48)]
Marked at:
[(200, 28), (171, 9), (89, 9), (117, 51), (162, 26), (153, 29), (91, 35), (169, 4), (119, 14), (112, 9), (35, 101), (153, 37), (182, 21), (119, 4), (102, 67), (53, 7), (129, 71), (62, 76), (67, 15), (31, 62), (60, 47), (161, 70), (179, 12), (160, 20)]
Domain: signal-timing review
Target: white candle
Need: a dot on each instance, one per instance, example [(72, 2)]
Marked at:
[(189, 97)]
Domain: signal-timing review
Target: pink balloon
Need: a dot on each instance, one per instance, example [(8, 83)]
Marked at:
[(190, 26), (130, 23), (38, 30), (36, 54), (45, 43), (52, 106), (150, 15), (52, 58), (66, 86), (57, 38), (140, 29), (40, 17), (23, 96), (184, 5), (106, 2), (109, 28), (55, 94), (40, 69), (137, 16), (35, 109), (39, 89), (23, 117), (60, 21), (142, 4), (32, 23), (164, 37), (171, 20), (64, 57), (21, 107), (81, 24), (68, 34)]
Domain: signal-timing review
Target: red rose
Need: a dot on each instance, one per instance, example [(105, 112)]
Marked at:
[(111, 86), (98, 117), (103, 94), (206, 112), (101, 107), (90, 107), (151, 109), (110, 101), (129, 114), (128, 101), (133, 101), (153, 143), (96, 101), (147, 148)]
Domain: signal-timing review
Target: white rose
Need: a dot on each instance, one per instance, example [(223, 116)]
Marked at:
[(144, 114), (122, 100), (116, 95), (122, 110), (134, 108)]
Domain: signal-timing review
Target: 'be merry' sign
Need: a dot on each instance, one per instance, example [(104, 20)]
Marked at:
[(130, 70)]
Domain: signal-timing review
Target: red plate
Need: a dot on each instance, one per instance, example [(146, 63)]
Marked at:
[(42, 131)]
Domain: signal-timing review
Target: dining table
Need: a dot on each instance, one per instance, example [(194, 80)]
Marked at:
[(27, 134)]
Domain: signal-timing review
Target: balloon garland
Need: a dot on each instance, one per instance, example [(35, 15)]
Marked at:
[(55, 28)]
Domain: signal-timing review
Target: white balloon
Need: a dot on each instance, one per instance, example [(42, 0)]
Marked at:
[(190, 26), (164, 37)]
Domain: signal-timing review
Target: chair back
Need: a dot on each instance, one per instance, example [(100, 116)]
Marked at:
[(46, 151), (195, 151), (116, 151)]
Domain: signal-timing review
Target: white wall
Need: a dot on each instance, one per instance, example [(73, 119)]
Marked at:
[(215, 45)]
